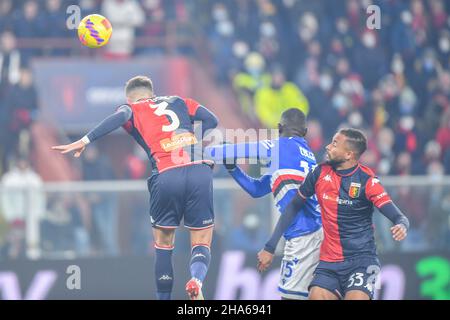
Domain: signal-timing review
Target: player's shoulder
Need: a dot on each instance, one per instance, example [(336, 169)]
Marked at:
[(324, 166), (321, 169), (367, 171), (123, 106), (368, 176)]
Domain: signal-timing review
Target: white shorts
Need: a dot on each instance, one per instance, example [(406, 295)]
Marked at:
[(301, 257)]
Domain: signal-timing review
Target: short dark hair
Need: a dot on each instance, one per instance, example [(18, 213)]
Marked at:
[(294, 120), (356, 139), (139, 82)]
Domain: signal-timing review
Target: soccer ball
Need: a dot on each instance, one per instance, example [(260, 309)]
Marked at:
[(94, 31)]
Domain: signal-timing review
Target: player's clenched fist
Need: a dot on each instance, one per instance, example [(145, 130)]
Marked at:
[(77, 146), (398, 232), (264, 260)]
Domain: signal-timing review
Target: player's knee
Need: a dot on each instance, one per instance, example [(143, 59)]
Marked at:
[(164, 238)]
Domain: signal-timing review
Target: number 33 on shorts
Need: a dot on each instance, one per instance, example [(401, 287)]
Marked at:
[(369, 279)]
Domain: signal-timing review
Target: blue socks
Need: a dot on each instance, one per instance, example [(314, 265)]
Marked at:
[(163, 273), (200, 258)]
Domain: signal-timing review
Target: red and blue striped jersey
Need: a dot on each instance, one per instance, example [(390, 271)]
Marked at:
[(347, 201), (163, 126)]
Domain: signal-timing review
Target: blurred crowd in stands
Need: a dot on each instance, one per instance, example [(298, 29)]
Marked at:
[(393, 83)]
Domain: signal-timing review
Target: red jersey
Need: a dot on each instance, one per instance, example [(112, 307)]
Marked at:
[(347, 200), (163, 126)]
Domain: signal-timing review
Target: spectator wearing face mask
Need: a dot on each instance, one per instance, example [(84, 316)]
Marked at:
[(369, 59), (443, 134), (271, 101), (125, 16), (248, 81)]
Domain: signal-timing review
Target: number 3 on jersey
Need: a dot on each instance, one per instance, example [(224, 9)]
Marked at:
[(162, 111)]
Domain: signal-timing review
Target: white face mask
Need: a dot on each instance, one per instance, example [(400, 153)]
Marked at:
[(397, 65), (225, 28), (326, 82), (407, 123), (444, 44), (267, 29), (240, 49), (406, 17), (289, 3), (342, 26), (340, 101), (220, 14), (355, 119), (369, 40)]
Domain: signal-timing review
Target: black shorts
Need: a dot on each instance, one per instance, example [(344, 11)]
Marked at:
[(351, 274), (183, 192)]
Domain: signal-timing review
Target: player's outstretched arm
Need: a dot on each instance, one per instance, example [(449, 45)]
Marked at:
[(265, 256), (400, 221), (255, 187), (251, 150), (109, 124)]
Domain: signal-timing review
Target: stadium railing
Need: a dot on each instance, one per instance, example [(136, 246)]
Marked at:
[(425, 200)]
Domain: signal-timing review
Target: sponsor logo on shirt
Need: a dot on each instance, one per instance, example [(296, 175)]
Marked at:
[(338, 200), (178, 141)]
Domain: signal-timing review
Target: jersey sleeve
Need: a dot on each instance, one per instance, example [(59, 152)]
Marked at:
[(376, 193), (192, 106), (308, 187), (251, 150), (128, 126)]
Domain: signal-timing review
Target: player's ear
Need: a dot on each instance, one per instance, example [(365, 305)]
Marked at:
[(349, 154), (280, 128)]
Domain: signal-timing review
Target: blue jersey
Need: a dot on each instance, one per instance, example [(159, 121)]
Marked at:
[(289, 160)]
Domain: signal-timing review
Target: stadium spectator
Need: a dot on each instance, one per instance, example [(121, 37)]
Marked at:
[(22, 199), (6, 7), (29, 23), (443, 133), (10, 60), (103, 205), (125, 16), (271, 101), (62, 229), (154, 25), (21, 101), (247, 82), (55, 25)]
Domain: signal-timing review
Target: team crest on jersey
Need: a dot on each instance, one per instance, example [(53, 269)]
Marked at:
[(354, 190)]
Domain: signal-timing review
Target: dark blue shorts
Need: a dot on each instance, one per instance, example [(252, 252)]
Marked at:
[(184, 192), (351, 274)]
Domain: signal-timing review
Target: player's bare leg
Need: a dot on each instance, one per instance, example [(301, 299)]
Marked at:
[(200, 257), (318, 293), (164, 242), (164, 237), (356, 295)]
